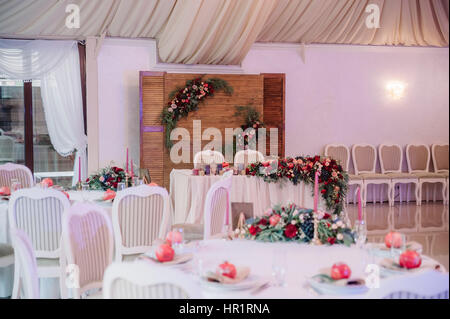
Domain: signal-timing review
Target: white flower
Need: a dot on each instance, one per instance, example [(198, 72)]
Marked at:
[(170, 109), (302, 235), (340, 223), (295, 213), (334, 226), (293, 222), (340, 236), (174, 106), (302, 217), (320, 215), (335, 216)]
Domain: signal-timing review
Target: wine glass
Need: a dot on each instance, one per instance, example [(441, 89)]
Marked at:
[(85, 191), (396, 249), (279, 267), (179, 244), (360, 233), (120, 186), (38, 180), (15, 185)]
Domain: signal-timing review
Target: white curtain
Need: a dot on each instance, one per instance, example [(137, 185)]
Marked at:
[(57, 65)]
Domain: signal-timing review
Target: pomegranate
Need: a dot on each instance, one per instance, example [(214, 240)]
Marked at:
[(227, 269), (410, 259), (5, 191), (174, 237), (340, 271), (164, 253), (393, 239), (47, 182)]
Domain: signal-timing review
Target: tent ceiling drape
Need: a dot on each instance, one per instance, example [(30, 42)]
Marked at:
[(222, 31)]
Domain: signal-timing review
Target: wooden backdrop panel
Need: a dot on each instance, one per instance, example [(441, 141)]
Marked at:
[(217, 111)]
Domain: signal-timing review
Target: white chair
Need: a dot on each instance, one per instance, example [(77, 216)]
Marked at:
[(208, 157), (418, 159), (391, 159), (22, 173), (6, 260), (364, 162), (439, 153), (28, 272), (217, 208), (89, 243), (247, 157), (38, 212), (341, 153), (140, 280), (423, 285), (139, 215), (6, 149)]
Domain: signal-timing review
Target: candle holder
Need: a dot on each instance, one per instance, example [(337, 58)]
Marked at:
[(78, 186), (316, 240)]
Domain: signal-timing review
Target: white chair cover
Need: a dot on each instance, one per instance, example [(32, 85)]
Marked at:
[(217, 207), (22, 173)]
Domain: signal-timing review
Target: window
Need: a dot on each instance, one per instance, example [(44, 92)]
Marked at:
[(24, 137)]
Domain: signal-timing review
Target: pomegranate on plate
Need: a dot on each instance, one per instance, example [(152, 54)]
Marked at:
[(340, 271), (174, 237), (393, 239), (47, 182), (164, 253), (5, 191), (410, 259), (227, 269)]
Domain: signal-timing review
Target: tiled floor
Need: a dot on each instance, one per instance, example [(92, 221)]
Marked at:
[(427, 224)]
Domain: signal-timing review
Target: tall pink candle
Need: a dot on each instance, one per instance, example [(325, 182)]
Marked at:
[(359, 205), (127, 161), (79, 169), (316, 190)]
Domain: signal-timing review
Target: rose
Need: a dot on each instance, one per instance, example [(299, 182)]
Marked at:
[(290, 231), (263, 221), (274, 219), (254, 230), (331, 240)]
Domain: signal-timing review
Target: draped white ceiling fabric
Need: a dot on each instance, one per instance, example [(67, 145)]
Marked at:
[(57, 65), (222, 31)]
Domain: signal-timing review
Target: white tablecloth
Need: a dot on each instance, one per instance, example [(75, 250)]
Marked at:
[(50, 286), (188, 194), (302, 262)]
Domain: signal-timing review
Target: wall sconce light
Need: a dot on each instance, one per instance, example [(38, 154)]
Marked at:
[(395, 89)]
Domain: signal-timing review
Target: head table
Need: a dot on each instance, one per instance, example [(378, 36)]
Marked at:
[(188, 194)]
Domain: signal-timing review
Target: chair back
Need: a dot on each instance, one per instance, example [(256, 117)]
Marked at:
[(11, 171), (340, 153), (88, 244), (38, 212), (440, 157), (26, 261), (217, 207), (6, 149), (423, 285), (208, 157), (391, 158), (364, 158), (248, 157), (140, 280), (418, 158), (139, 215)]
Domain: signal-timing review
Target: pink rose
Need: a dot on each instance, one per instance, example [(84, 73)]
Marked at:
[(274, 220)]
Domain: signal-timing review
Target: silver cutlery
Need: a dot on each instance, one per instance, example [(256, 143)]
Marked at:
[(260, 288)]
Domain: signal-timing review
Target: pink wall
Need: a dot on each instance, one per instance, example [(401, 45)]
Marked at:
[(338, 94)]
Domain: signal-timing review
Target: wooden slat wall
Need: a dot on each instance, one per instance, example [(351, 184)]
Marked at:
[(152, 147), (264, 92), (215, 111), (274, 115)]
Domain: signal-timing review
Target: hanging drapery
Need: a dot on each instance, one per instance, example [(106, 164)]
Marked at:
[(222, 31), (57, 65)]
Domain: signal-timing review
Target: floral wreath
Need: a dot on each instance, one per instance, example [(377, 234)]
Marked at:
[(184, 100)]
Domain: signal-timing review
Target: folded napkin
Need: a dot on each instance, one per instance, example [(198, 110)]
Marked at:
[(109, 194), (5, 191), (241, 274)]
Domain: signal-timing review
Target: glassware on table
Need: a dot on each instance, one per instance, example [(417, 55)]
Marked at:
[(139, 182), (15, 185), (360, 233), (397, 251), (179, 244), (120, 186), (85, 191), (38, 180), (279, 265)]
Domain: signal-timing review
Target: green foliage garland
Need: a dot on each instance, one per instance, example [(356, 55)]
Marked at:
[(187, 99)]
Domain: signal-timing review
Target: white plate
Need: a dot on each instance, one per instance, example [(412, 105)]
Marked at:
[(252, 281), (177, 259), (380, 249), (335, 287), (388, 267)]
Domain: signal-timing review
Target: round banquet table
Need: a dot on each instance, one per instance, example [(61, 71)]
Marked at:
[(188, 194), (49, 287), (302, 262)]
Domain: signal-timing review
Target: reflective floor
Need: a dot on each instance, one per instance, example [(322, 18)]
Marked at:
[(427, 224)]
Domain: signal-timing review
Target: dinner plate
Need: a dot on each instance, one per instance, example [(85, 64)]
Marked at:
[(389, 267), (177, 259), (328, 286), (3, 197), (252, 281)]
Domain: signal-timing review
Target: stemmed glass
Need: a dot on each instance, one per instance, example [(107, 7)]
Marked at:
[(85, 191), (120, 186), (396, 249), (279, 267), (360, 233), (15, 185)]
